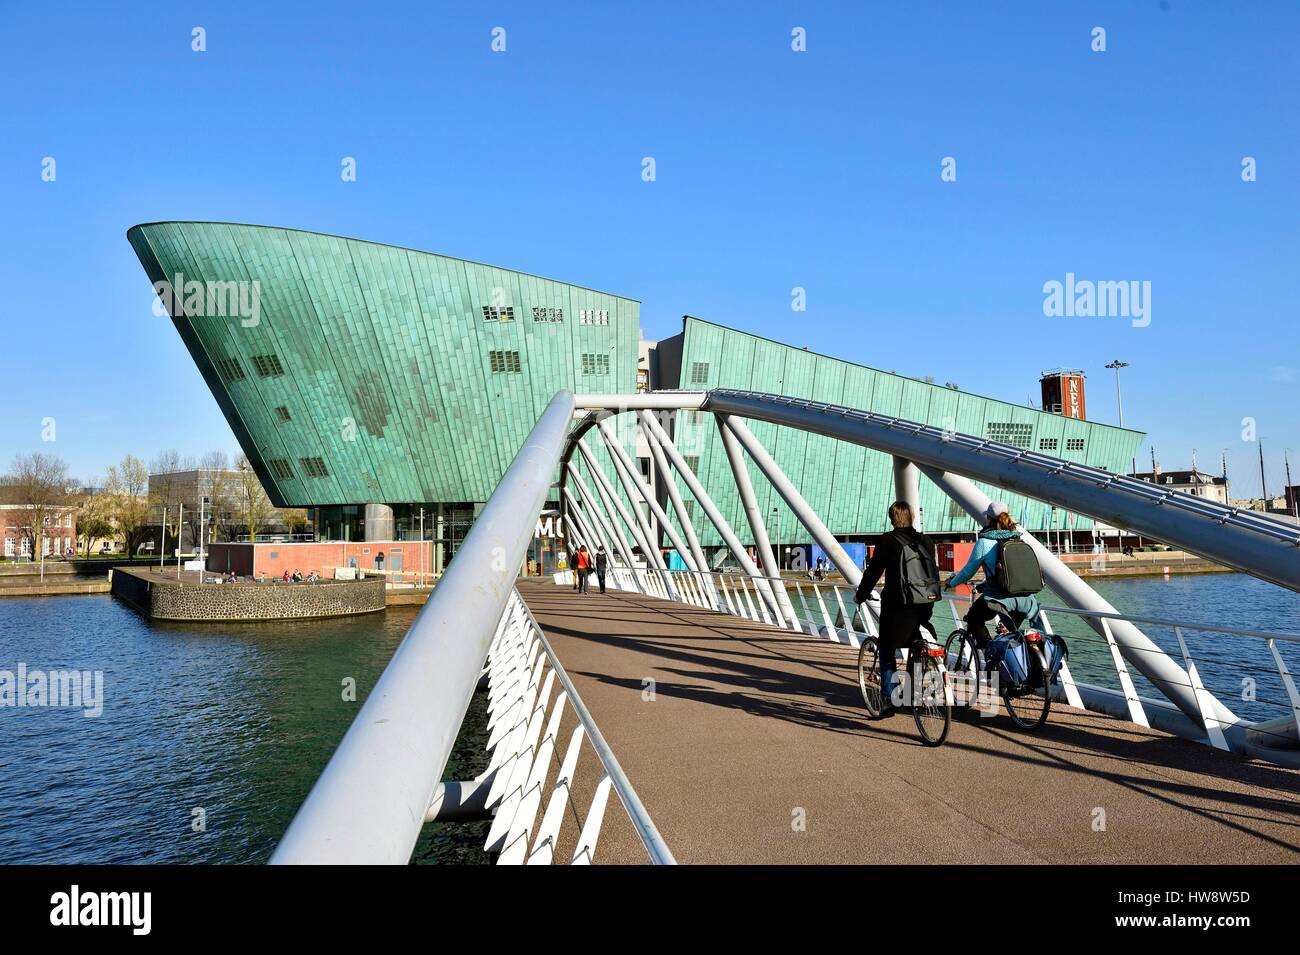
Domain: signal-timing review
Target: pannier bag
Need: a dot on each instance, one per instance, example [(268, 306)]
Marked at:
[(1009, 656), (1054, 653), (1017, 572)]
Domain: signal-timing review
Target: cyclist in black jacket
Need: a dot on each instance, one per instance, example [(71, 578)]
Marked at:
[(899, 620)]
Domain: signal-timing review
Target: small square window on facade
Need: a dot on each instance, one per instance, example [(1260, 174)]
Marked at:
[(1074, 444), (699, 372), (1046, 444), (552, 316), (593, 364), (504, 362), (281, 469), (314, 467), (282, 412), (268, 366), (1009, 432), (693, 463), (230, 369), (593, 316), (498, 313)]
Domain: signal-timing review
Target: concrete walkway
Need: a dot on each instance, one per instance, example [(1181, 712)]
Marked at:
[(755, 749)]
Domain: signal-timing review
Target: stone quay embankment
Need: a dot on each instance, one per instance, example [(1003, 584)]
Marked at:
[(163, 597)]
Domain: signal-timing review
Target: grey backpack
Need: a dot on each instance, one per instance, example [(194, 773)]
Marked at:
[(918, 573)]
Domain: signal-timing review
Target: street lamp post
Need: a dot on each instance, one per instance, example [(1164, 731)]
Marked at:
[(203, 554), (1119, 398)]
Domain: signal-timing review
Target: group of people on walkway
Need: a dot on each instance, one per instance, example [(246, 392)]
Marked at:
[(584, 562)]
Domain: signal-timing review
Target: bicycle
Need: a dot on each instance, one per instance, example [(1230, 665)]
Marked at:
[(930, 694), (1027, 709)]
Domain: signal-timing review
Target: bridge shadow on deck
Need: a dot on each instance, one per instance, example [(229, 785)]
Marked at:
[(750, 729)]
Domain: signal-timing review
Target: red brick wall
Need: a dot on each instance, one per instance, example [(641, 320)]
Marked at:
[(14, 524), (274, 559)]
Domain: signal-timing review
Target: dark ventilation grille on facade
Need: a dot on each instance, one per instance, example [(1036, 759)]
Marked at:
[(504, 361), (498, 313), (313, 467), (230, 370), (282, 412), (595, 364), (699, 372), (1010, 433), (549, 315), (268, 366), (1046, 444), (1074, 444), (280, 469)]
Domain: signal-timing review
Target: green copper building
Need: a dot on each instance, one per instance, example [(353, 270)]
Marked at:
[(368, 382), (848, 485), (377, 375)]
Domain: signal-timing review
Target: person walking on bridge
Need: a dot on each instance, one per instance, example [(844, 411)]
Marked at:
[(583, 561), (905, 557), (602, 564)]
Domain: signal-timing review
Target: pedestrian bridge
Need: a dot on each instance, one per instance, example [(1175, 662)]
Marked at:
[(747, 744), (718, 710)]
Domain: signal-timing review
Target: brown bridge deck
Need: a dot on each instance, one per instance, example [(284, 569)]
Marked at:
[(752, 729)]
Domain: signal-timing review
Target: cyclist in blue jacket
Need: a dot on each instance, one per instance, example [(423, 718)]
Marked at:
[(1001, 526)]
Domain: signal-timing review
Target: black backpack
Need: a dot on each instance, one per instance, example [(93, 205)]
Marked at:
[(918, 574), (1018, 573)]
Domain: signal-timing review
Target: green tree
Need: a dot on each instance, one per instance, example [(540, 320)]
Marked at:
[(127, 486), (94, 521)]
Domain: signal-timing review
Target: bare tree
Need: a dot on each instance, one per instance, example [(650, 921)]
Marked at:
[(214, 483), (167, 492), (40, 481), (127, 485), (251, 502)]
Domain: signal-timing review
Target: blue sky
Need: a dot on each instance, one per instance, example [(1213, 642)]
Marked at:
[(775, 169)]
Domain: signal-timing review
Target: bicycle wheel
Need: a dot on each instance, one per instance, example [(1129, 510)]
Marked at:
[(1028, 706), (964, 665), (930, 706), (869, 677)]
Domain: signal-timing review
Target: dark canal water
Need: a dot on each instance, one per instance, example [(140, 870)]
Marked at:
[(235, 719), (238, 720)]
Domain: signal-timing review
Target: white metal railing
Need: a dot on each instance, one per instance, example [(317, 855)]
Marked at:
[(371, 801), (524, 726), (822, 608)]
